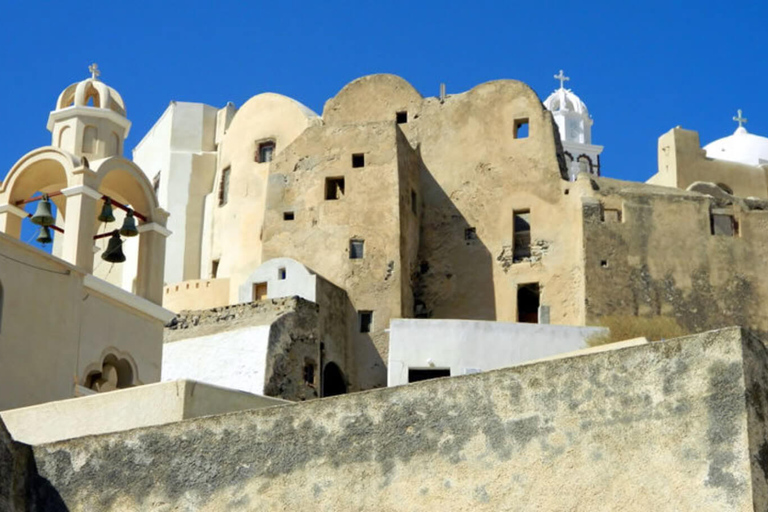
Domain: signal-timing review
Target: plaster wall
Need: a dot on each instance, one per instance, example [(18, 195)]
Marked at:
[(465, 346), (284, 277), (116, 411), (661, 258), (55, 330), (196, 294), (660, 426), (234, 359)]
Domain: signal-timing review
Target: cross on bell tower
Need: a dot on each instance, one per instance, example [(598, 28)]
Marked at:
[(560, 76), (739, 119), (94, 69)]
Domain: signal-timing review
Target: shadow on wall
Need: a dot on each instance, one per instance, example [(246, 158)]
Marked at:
[(454, 277)]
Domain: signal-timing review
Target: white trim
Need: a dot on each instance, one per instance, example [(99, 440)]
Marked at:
[(10, 208), (132, 301), (81, 189), (154, 226)]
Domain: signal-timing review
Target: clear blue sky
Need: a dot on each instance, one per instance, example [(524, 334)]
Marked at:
[(642, 68)]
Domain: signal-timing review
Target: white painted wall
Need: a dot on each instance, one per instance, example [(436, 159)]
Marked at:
[(466, 346), (233, 359), (299, 281)]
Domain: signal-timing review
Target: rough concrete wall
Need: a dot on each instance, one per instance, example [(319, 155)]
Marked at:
[(661, 258), (409, 168), (756, 385), (15, 472), (336, 321), (661, 426)]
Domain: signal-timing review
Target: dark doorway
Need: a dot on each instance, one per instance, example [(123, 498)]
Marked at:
[(528, 303), (417, 374), (333, 380)]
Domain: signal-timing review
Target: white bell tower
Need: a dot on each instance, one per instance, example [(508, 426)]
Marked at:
[(575, 125)]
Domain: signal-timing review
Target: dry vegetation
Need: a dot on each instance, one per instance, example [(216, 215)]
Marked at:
[(624, 327)]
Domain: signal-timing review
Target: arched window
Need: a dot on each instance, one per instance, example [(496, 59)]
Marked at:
[(333, 380), (89, 139), (115, 374), (585, 164)]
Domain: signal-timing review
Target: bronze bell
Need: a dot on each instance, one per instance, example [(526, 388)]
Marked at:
[(43, 215), (114, 252), (44, 235), (129, 225), (106, 211)]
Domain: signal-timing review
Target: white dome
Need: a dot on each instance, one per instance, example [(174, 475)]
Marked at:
[(565, 99), (742, 147)]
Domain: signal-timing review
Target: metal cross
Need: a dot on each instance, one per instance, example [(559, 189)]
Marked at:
[(739, 119), (560, 76), (94, 69)]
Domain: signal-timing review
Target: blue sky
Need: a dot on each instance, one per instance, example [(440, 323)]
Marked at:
[(642, 68)]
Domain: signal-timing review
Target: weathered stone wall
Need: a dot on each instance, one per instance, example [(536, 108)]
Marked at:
[(661, 258), (661, 426)]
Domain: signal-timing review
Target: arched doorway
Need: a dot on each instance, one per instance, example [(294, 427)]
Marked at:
[(333, 380)]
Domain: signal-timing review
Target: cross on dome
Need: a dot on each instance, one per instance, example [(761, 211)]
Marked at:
[(560, 76), (739, 119), (94, 69)]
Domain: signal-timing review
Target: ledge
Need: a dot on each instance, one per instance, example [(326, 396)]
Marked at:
[(123, 297)]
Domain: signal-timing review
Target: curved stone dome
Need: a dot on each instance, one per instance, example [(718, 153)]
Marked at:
[(565, 99), (80, 94), (742, 147)]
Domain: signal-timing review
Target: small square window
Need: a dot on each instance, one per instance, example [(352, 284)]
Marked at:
[(521, 128), (358, 160), (724, 224), (265, 152), (288, 216), (366, 320), (356, 248), (470, 234), (402, 117), (281, 273), (611, 215), (334, 188)]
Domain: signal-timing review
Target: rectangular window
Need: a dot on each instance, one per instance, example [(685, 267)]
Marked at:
[(281, 273), (287, 215), (224, 187), (401, 117), (470, 234), (358, 160), (723, 224), (419, 374), (356, 248), (521, 128), (522, 235), (414, 202), (365, 320), (214, 268), (334, 188), (611, 215), (265, 152)]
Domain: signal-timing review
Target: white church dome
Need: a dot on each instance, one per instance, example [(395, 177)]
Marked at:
[(742, 147), (93, 90), (565, 99)]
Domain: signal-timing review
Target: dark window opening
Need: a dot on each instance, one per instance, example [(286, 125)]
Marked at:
[(521, 128), (358, 160), (419, 374), (356, 249), (214, 268), (287, 215), (402, 117), (528, 297), (224, 187), (259, 291), (265, 152), (470, 234), (522, 235), (334, 188), (611, 215), (604, 263), (309, 372), (281, 273), (723, 224), (414, 202), (333, 380), (366, 320)]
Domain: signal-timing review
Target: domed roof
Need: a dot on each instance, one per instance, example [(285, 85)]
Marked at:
[(565, 99), (742, 147), (79, 94)]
